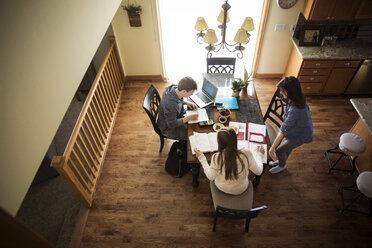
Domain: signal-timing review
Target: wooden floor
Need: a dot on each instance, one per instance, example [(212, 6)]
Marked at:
[(137, 204)]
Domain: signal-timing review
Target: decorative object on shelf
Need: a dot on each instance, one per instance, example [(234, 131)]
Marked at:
[(311, 35), (286, 4), (242, 36), (134, 11)]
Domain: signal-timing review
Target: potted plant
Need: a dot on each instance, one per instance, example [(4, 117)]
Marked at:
[(238, 84), (133, 12), (247, 78)]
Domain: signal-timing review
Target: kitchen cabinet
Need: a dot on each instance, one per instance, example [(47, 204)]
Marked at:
[(340, 76), (365, 10), (326, 76), (331, 9)]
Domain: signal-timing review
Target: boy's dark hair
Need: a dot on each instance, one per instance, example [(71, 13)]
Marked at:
[(293, 88), (187, 83)]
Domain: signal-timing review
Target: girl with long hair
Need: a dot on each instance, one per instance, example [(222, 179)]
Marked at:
[(297, 127), (230, 166)]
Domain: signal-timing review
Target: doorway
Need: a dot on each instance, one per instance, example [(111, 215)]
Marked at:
[(182, 55)]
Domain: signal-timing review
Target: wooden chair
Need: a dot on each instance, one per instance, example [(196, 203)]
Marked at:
[(221, 65), (151, 104), (234, 206), (275, 113)]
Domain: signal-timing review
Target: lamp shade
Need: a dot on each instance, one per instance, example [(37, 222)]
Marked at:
[(220, 17), (200, 24), (248, 24), (241, 36), (210, 37)]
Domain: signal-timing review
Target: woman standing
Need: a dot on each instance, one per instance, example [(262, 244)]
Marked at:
[(229, 166), (297, 127)]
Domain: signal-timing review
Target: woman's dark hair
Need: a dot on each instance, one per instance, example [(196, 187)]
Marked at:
[(228, 153), (292, 86)]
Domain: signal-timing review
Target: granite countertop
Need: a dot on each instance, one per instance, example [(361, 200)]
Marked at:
[(364, 108), (348, 50)]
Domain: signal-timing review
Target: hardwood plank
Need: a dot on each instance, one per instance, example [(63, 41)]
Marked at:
[(137, 204)]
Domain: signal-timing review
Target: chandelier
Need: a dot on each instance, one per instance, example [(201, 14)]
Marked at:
[(209, 37)]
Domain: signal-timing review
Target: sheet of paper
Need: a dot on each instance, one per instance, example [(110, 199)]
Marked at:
[(242, 127), (253, 147), (202, 142), (192, 144), (203, 116), (205, 142), (257, 128)]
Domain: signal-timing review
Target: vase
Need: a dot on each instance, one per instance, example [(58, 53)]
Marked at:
[(134, 19), (236, 94)]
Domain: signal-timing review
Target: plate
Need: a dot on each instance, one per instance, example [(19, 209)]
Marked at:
[(217, 126)]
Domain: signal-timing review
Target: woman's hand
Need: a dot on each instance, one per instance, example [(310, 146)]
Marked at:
[(198, 153), (273, 154), (261, 149)]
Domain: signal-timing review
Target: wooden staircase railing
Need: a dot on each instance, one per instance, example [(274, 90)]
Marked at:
[(81, 163)]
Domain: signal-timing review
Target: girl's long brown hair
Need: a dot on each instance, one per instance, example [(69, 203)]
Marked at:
[(229, 153)]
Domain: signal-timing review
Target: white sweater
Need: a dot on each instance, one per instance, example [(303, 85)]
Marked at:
[(234, 186)]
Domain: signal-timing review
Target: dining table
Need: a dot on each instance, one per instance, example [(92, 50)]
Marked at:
[(249, 111)]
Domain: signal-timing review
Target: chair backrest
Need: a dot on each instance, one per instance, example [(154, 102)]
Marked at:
[(276, 109), (151, 104), (221, 65), (239, 214)]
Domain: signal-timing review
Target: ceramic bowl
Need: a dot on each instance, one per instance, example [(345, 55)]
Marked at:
[(222, 119), (225, 112)]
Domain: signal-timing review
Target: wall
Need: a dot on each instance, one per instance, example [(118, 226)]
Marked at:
[(139, 47), (46, 47), (276, 45)]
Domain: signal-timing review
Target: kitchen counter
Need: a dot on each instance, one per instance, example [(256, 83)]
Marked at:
[(363, 128), (343, 50), (364, 108)]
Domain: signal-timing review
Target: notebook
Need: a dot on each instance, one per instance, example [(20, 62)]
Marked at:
[(206, 96)]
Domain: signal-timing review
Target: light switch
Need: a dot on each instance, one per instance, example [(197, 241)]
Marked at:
[(280, 27)]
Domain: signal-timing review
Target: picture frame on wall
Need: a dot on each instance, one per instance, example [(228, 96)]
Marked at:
[(311, 35)]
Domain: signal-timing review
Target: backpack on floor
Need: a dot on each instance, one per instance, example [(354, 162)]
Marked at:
[(176, 163)]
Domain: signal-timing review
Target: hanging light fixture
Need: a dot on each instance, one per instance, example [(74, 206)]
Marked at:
[(209, 37)]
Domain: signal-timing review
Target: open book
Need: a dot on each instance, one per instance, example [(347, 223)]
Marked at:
[(250, 136), (250, 131), (205, 142), (203, 116)]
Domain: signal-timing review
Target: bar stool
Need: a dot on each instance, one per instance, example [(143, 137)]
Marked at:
[(363, 188), (350, 145)]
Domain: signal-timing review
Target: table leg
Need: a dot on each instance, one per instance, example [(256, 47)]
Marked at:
[(195, 170)]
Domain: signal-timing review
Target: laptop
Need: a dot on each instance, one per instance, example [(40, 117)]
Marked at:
[(206, 96)]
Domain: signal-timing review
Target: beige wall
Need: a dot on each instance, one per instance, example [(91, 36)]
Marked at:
[(139, 47), (276, 45), (46, 47)]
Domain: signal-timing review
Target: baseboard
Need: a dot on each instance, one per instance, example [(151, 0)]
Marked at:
[(144, 78), (81, 221), (268, 75)]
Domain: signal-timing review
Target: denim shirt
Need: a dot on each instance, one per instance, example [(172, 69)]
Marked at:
[(297, 126)]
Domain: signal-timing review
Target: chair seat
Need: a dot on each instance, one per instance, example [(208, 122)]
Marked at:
[(272, 132), (364, 183), (238, 202), (351, 144)]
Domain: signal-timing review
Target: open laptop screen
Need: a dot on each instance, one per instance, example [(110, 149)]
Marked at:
[(209, 89)]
